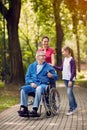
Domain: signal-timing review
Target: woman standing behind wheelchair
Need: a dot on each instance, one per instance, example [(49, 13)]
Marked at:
[(50, 53), (69, 73)]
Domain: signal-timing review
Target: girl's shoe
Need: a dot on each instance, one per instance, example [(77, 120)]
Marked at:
[(70, 112)]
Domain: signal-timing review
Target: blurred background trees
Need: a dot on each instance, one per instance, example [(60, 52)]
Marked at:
[(10, 11), (26, 21)]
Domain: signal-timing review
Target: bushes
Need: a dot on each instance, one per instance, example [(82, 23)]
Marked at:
[(1, 84), (82, 79), (82, 83), (80, 75)]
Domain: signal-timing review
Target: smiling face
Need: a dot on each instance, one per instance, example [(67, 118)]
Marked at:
[(45, 43)]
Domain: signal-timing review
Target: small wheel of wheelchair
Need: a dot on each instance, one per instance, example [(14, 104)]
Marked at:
[(54, 100), (48, 113)]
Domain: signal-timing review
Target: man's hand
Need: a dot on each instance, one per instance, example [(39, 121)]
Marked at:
[(49, 75), (33, 85), (70, 84)]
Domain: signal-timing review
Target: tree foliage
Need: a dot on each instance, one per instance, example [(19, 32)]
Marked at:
[(64, 22), (79, 13)]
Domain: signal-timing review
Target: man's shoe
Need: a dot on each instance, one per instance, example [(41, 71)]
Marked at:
[(70, 112), (23, 113), (34, 113)]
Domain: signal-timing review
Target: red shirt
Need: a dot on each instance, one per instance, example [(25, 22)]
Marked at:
[(49, 52)]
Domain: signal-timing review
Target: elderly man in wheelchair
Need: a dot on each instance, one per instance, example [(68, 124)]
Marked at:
[(38, 77)]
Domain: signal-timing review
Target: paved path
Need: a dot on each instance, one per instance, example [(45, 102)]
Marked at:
[(9, 119)]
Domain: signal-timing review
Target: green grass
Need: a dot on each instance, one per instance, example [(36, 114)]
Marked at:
[(82, 82), (9, 96), (6, 102), (1, 84)]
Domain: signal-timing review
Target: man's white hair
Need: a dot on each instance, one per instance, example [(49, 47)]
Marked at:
[(40, 53)]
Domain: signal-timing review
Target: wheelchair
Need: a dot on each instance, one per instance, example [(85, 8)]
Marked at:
[(50, 100)]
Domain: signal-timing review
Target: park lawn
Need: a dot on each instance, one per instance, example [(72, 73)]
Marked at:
[(7, 101), (82, 82), (1, 84), (9, 96)]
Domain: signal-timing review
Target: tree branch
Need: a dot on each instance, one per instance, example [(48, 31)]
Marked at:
[(3, 10)]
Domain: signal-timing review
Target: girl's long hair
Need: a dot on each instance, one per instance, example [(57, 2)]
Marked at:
[(67, 48)]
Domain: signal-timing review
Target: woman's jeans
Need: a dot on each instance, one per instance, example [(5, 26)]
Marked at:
[(71, 97), (27, 89)]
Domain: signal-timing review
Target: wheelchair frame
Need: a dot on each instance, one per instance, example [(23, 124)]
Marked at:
[(51, 106)]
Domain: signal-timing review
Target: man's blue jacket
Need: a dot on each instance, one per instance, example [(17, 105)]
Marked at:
[(41, 77)]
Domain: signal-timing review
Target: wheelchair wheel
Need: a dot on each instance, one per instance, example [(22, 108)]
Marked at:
[(45, 99), (54, 100)]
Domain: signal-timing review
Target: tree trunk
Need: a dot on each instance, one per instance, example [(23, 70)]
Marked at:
[(12, 17), (78, 53), (17, 74), (75, 24), (59, 33)]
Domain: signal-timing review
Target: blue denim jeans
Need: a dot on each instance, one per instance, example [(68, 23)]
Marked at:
[(71, 97), (27, 89)]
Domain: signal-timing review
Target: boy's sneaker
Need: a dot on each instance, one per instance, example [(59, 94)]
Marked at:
[(70, 112)]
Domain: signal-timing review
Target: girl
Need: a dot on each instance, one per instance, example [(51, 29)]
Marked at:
[(69, 73)]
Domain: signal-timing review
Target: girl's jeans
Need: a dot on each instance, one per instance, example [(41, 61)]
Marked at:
[(71, 97)]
